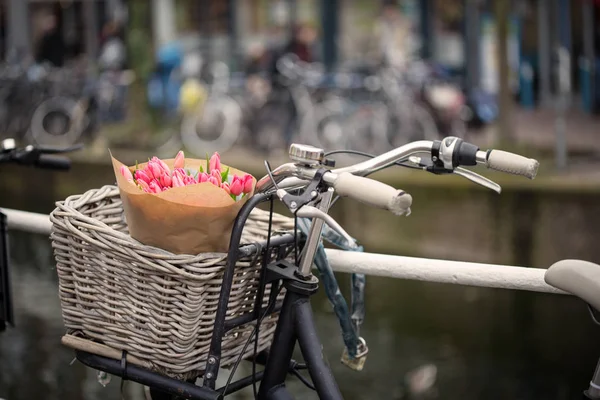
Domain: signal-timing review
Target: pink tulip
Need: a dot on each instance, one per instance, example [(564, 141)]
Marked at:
[(180, 172), (142, 175), (217, 175), (177, 181), (203, 177), (214, 181), (189, 180), (144, 186), (248, 183), (126, 173), (155, 187), (225, 187), (163, 165), (154, 169), (179, 160), (214, 163), (166, 181), (236, 187), (183, 177)]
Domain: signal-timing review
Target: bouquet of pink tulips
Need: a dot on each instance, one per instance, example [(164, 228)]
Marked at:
[(156, 176), (182, 205)]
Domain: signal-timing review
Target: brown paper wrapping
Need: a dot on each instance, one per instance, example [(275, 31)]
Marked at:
[(184, 220)]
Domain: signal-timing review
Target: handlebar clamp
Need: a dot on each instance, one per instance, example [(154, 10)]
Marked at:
[(295, 202)]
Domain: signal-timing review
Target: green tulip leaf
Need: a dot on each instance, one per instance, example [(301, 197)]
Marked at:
[(225, 175)]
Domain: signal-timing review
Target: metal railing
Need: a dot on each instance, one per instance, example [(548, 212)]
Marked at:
[(412, 268)]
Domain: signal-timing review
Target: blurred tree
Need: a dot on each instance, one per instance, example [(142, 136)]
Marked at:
[(502, 11), (141, 55)]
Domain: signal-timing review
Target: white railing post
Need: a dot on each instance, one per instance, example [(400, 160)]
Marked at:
[(27, 221)]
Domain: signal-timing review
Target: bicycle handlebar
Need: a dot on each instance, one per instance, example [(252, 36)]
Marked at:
[(53, 162), (373, 193), (511, 163), (291, 175), (38, 157), (58, 150), (446, 154)]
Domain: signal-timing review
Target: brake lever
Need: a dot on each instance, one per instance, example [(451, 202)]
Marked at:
[(460, 171), (313, 212), (478, 179), (310, 193)]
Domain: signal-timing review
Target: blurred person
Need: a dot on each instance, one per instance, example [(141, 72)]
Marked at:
[(51, 47), (302, 42), (301, 45), (73, 44), (257, 61), (112, 48), (392, 37), (256, 70), (113, 82), (192, 94)]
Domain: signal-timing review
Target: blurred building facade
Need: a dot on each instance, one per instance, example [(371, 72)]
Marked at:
[(79, 24), (458, 34)]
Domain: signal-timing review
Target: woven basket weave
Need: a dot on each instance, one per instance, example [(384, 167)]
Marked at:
[(158, 306)]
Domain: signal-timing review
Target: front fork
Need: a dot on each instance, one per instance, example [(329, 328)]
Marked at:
[(296, 324)]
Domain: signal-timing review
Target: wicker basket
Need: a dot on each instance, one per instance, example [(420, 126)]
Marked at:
[(157, 306)]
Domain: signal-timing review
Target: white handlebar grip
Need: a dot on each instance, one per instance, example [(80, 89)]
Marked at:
[(373, 193), (512, 163)]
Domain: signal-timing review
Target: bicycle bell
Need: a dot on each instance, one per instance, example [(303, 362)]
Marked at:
[(305, 154)]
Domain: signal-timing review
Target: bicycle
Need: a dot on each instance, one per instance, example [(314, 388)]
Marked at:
[(53, 106), (306, 187), (216, 124), (39, 157), (72, 112), (582, 279), (213, 122)]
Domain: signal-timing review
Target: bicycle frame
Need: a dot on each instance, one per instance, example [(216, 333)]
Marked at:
[(295, 324)]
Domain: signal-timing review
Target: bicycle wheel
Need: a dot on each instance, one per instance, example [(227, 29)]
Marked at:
[(411, 123), (367, 129), (331, 125), (269, 127), (166, 143), (216, 128), (58, 121)]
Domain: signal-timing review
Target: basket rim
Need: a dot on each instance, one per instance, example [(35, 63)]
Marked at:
[(68, 207)]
